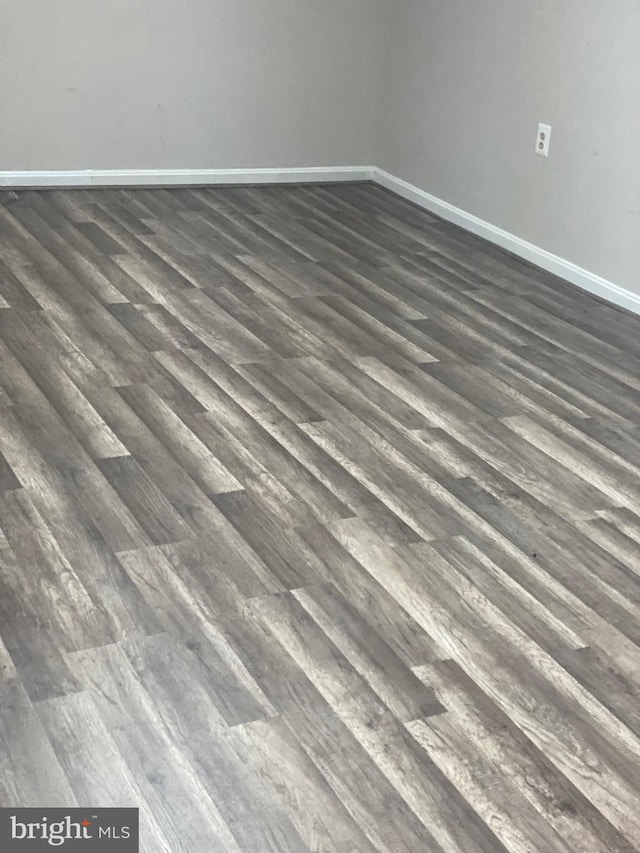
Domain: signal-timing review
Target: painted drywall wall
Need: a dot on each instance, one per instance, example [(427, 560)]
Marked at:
[(161, 84), (445, 95), (468, 82)]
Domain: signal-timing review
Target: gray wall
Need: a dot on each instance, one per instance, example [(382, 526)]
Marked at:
[(189, 83), (443, 93), (468, 81)]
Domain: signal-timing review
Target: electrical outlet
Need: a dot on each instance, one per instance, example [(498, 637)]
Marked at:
[(543, 139)]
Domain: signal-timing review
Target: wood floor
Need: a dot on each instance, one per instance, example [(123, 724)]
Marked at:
[(319, 528)]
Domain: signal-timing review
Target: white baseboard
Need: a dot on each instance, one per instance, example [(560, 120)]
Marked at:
[(534, 254), (332, 174), (183, 177)]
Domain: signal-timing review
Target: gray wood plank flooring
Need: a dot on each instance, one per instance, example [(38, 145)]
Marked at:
[(319, 528)]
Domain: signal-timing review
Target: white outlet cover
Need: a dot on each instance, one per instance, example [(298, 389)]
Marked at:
[(543, 139)]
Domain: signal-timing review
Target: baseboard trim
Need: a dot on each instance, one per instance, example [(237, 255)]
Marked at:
[(183, 177), (567, 270)]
